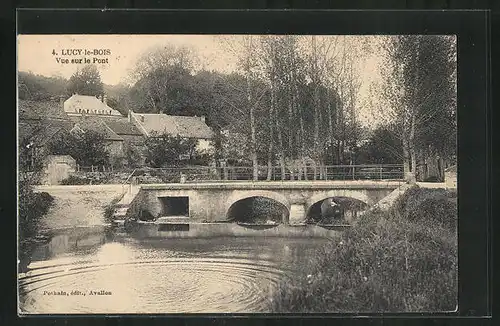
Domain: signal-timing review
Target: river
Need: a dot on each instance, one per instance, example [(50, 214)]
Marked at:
[(90, 270)]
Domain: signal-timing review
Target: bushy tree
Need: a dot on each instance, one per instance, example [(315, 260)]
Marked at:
[(87, 147), (383, 147), (164, 149), (86, 81)]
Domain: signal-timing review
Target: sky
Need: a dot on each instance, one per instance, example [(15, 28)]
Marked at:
[(116, 55)]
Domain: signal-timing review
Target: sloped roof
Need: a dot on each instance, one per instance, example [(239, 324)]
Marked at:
[(40, 132), (87, 102), (96, 124), (122, 126), (28, 109), (189, 127)]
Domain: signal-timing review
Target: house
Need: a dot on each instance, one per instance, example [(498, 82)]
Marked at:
[(126, 130), (39, 123), (78, 105), (150, 124)]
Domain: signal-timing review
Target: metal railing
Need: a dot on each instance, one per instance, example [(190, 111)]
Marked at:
[(94, 168), (238, 173)]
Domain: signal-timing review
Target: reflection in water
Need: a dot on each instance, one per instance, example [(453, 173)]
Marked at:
[(83, 273)]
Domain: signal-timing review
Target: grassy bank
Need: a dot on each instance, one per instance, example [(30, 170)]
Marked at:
[(401, 260)]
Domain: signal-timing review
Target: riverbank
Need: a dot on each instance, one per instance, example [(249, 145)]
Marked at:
[(402, 260), (32, 209), (79, 206)]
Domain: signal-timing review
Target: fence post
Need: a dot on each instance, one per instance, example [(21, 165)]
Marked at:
[(353, 168), (92, 168)]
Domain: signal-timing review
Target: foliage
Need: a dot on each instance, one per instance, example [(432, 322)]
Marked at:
[(87, 148), (39, 88), (32, 207), (109, 209), (164, 149), (163, 77), (428, 206), (75, 180), (86, 81), (383, 147), (386, 263), (133, 155), (420, 77), (275, 88), (30, 157)]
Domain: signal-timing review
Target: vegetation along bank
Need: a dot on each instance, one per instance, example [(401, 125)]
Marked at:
[(404, 259)]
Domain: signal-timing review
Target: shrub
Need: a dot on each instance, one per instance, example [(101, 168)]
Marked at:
[(385, 264), (32, 207), (75, 180), (429, 206), (87, 148), (109, 209)]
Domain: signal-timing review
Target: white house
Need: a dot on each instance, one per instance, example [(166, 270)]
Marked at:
[(78, 105)]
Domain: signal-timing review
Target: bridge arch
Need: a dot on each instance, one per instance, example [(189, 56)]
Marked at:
[(319, 196), (242, 195)]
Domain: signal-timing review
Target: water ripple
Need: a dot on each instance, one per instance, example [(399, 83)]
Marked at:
[(173, 285)]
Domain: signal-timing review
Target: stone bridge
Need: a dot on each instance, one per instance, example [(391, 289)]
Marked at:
[(212, 201)]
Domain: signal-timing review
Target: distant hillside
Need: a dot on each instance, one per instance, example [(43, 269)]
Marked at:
[(38, 87)]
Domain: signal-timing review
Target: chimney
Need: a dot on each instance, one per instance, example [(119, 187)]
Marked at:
[(102, 99), (105, 99), (203, 118), (61, 101), (129, 115), (142, 118)]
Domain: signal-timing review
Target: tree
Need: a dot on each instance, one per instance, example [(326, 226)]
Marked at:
[(246, 50), (87, 147), (420, 92), (383, 147), (164, 149), (86, 81), (39, 88), (163, 80)]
